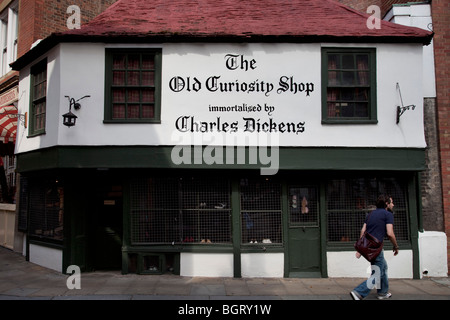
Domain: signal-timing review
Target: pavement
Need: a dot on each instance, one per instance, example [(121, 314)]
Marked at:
[(23, 280)]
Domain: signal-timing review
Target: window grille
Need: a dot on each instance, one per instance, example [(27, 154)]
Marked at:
[(350, 200), (261, 215), (188, 210), (46, 209)]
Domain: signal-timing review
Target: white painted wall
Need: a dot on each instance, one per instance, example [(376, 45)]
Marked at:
[(47, 257), (433, 254), (418, 15), (262, 265), (345, 264), (206, 264), (77, 69)]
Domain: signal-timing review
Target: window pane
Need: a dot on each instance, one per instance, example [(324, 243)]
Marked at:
[(133, 61), (148, 62), (333, 79), (148, 78), (119, 61), (361, 110), (118, 111), (148, 95), (148, 111), (133, 78), (133, 95), (118, 78), (347, 109), (348, 78), (334, 61), (362, 78), (362, 62), (133, 111), (118, 95), (348, 61)]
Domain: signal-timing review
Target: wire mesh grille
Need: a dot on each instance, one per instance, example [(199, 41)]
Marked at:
[(191, 210), (261, 214), (350, 200), (46, 211)]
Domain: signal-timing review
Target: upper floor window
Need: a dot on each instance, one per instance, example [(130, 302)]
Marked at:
[(8, 36), (348, 85), (133, 88), (38, 98)]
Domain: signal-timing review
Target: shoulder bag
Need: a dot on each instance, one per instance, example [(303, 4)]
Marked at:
[(369, 246)]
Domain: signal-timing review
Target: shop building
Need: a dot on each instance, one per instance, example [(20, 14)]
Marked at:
[(221, 140)]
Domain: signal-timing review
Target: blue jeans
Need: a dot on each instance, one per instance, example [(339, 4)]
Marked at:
[(378, 278)]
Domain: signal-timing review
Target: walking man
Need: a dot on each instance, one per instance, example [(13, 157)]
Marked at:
[(380, 225)]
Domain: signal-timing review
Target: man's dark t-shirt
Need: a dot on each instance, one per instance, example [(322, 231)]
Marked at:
[(376, 223)]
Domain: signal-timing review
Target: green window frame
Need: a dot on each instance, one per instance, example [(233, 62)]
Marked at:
[(133, 86), (38, 98), (349, 86)]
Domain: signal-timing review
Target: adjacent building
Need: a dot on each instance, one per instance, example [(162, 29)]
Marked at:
[(222, 139)]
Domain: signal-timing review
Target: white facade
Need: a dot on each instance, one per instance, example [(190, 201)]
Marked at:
[(78, 69)]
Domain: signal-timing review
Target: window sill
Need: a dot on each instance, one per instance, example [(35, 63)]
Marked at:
[(131, 121), (349, 121), (35, 134)]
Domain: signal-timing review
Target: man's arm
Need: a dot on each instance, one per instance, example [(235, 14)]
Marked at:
[(391, 236), (363, 229)]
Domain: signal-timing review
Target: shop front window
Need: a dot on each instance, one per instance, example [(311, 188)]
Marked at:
[(261, 214), (173, 210), (46, 211), (350, 200)]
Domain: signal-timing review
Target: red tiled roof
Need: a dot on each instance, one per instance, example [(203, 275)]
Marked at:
[(239, 18), (230, 21)]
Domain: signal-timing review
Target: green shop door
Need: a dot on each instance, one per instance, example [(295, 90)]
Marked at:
[(304, 232)]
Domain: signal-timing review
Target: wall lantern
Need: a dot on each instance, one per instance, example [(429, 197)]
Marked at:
[(402, 109), (69, 119)]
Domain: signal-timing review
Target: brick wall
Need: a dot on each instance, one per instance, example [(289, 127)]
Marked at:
[(440, 11), (39, 18)]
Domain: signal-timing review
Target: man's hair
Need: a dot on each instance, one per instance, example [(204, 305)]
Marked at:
[(382, 200)]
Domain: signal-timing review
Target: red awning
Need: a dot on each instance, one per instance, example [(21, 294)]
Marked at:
[(8, 123)]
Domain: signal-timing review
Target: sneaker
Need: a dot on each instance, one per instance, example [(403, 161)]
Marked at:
[(385, 296), (354, 295)]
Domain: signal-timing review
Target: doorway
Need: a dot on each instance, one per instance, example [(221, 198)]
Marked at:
[(304, 232), (108, 227)]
